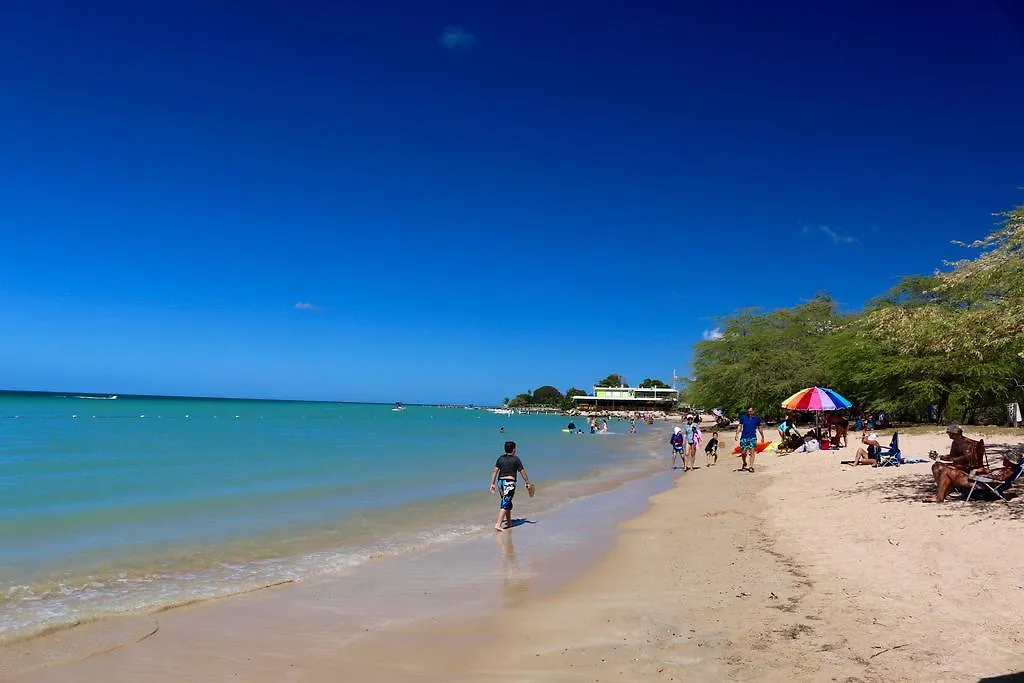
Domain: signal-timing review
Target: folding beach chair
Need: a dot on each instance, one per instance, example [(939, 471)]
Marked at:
[(890, 456), (996, 487)]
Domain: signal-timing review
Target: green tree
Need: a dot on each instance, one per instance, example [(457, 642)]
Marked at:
[(653, 383), (954, 338), (762, 358), (547, 395), (613, 380), (567, 402), (522, 400)]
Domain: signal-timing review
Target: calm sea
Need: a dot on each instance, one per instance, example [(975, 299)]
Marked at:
[(130, 504)]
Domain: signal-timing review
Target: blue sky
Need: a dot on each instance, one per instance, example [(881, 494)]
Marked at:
[(459, 201)]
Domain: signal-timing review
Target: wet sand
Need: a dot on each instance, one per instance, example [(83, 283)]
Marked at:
[(805, 570)]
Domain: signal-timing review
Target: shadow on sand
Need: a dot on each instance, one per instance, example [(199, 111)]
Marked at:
[(520, 521), (915, 484), (1005, 678)]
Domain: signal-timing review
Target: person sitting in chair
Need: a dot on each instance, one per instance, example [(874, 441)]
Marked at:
[(950, 478), (869, 455), (964, 454)]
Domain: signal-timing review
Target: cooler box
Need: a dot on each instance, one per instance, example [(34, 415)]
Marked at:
[(826, 444)]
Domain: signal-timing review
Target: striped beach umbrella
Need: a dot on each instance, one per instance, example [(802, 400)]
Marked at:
[(816, 398)]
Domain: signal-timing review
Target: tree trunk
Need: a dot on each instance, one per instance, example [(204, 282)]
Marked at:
[(943, 404)]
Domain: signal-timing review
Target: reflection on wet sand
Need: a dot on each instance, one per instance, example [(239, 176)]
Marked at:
[(515, 583)]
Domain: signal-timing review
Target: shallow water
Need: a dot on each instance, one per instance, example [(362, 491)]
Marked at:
[(111, 506)]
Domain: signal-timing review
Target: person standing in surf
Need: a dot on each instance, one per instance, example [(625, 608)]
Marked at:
[(747, 433), (506, 472)]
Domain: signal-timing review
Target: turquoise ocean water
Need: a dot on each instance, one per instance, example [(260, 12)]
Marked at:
[(131, 504)]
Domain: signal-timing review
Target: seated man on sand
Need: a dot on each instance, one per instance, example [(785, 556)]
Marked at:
[(950, 478), (963, 454)]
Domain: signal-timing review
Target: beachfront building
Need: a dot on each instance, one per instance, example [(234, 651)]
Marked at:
[(628, 398)]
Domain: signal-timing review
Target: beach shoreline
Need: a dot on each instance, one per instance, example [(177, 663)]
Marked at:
[(581, 524), (146, 504), (805, 570)]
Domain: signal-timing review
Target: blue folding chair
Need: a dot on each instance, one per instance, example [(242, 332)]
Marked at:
[(890, 456), (996, 487)]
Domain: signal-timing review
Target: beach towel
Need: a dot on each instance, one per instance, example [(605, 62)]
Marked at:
[(697, 437)]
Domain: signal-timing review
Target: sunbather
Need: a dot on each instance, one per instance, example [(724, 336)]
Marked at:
[(869, 455), (950, 478)]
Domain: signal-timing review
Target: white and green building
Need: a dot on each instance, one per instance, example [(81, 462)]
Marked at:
[(628, 398)]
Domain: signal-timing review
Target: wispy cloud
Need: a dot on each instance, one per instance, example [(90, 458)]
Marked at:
[(306, 306), (712, 335), (456, 38), (835, 234)]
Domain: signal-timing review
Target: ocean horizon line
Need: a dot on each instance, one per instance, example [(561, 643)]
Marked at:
[(27, 393)]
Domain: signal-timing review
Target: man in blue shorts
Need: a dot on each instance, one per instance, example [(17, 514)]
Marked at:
[(747, 434), (506, 470)]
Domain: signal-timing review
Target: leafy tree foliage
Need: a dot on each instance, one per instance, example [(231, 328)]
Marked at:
[(547, 395), (522, 400), (954, 339), (613, 380), (762, 358), (653, 383), (567, 403)]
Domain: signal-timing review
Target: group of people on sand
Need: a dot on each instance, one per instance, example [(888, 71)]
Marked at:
[(958, 470), (966, 464), (687, 439)]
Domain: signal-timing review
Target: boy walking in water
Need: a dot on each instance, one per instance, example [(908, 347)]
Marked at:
[(506, 471), (747, 433)]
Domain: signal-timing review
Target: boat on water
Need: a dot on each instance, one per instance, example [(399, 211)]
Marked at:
[(398, 406)]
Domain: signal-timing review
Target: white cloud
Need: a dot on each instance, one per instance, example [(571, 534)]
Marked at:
[(456, 38), (306, 306), (834, 234), (712, 335)]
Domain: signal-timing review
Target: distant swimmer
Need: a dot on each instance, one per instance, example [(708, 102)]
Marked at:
[(501, 429), (506, 471), (571, 426)]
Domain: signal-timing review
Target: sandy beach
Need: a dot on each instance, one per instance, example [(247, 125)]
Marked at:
[(807, 569)]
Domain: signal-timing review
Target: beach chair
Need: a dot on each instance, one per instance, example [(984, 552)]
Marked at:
[(890, 456), (987, 485)]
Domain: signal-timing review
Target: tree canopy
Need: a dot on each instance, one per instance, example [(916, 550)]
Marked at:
[(954, 339), (613, 380), (653, 383), (546, 396)]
